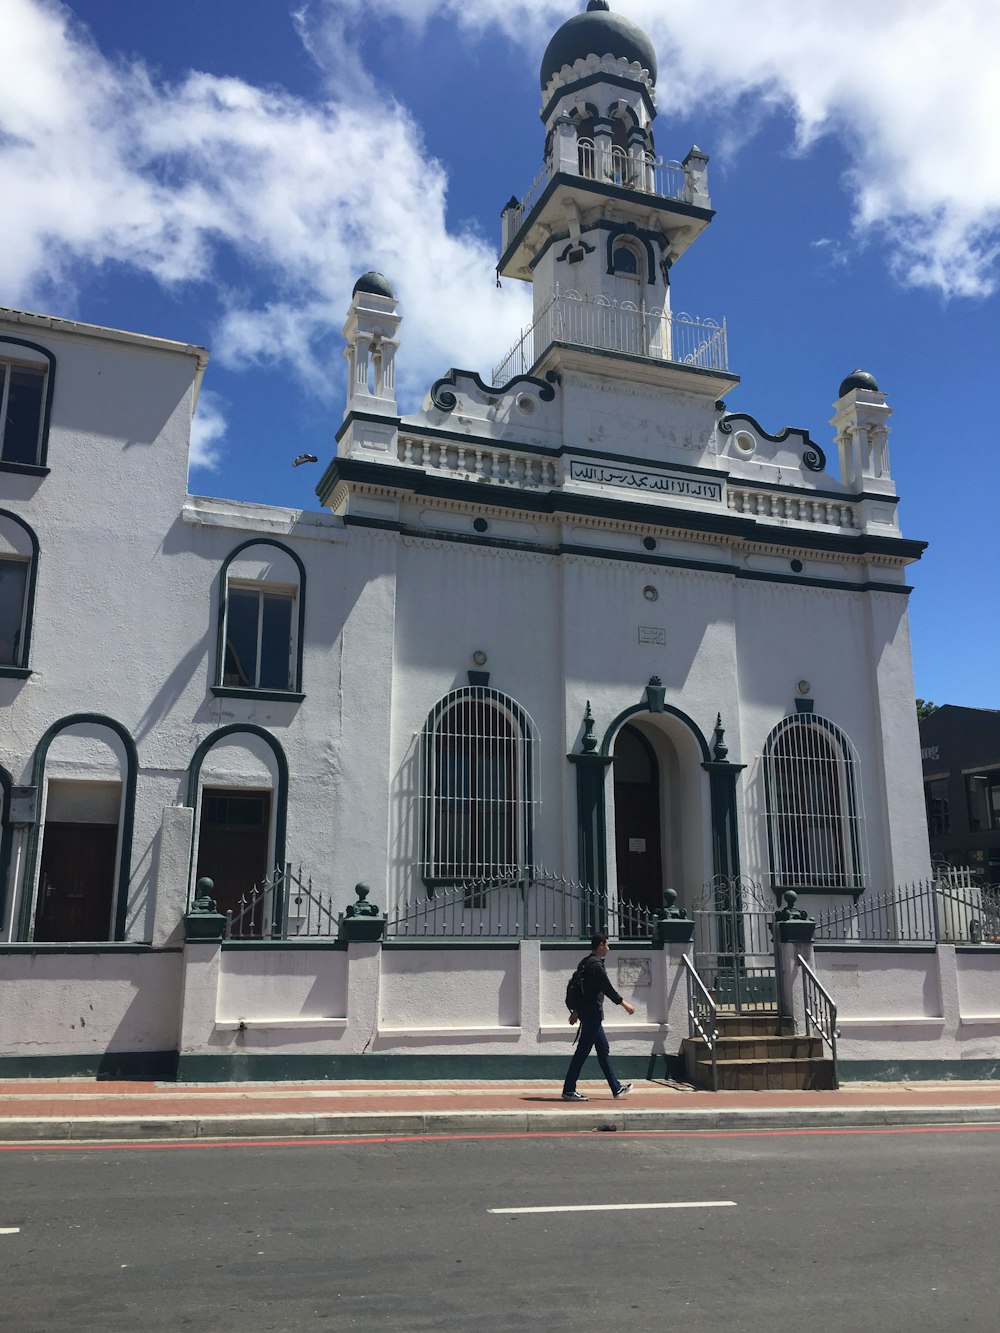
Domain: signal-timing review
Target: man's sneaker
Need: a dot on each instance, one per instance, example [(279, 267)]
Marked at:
[(624, 1090), (576, 1097)]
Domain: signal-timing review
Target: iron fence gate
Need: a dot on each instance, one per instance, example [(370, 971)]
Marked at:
[(734, 949)]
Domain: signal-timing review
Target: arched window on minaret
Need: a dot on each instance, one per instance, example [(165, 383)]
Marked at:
[(628, 264), (586, 147)]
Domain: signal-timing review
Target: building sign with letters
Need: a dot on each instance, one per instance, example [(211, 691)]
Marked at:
[(646, 480)]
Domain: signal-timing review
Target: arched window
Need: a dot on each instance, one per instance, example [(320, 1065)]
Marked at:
[(814, 807), (625, 261), (27, 380), (18, 564), (261, 622), (479, 751), (238, 788)]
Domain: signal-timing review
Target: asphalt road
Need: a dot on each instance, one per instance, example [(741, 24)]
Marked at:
[(892, 1230)]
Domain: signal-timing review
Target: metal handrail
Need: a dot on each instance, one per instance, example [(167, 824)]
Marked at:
[(703, 1015), (652, 333), (643, 172), (821, 1012)]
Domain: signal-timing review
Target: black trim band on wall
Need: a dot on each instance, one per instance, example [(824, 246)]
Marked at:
[(599, 553), (194, 777), (415, 481), (126, 823)]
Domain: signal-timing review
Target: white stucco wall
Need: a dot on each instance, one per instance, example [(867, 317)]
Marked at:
[(82, 1003), (450, 989), (264, 984), (906, 1005)]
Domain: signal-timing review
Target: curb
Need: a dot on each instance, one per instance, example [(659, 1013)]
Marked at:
[(83, 1129)]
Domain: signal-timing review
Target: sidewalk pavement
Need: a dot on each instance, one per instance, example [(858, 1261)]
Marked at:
[(43, 1110)]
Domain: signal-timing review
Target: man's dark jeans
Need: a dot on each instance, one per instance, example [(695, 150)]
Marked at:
[(591, 1038)]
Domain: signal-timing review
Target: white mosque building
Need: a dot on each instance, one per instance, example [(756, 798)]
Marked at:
[(573, 629)]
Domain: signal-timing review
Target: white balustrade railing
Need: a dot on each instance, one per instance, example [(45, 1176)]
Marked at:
[(634, 170), (478, 463), (506, 466), (798, 508), (617, 326)]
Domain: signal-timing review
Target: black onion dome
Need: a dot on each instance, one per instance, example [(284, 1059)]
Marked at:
[(375, 283), (598, 32), (858, 379)]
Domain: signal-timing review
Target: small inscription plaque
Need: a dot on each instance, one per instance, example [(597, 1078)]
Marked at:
[(637, 844), (633, 972), (644, 479), (652, 634)]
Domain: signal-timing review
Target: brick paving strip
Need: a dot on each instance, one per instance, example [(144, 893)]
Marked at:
[(79, 1109)]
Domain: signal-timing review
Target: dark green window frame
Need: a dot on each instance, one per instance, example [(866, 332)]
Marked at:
[(11, 364), (279, 592), (20, 653)]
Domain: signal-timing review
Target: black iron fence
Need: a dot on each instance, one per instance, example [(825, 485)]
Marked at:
[(950, 911), (534, 904), (285, 906)]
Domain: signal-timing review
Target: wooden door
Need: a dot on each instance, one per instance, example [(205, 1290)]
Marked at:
[(76, 886), (233, 843), (637, 821)]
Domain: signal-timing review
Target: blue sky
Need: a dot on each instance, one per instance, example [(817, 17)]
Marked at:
[(221, 172)]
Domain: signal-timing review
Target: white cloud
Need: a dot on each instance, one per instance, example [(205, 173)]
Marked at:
[(208, 431), (910, 87), (100, 162)]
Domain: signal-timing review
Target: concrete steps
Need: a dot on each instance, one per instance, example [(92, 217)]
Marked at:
[(759, 1053)]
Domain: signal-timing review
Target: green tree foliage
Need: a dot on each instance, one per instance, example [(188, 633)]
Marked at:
[(925, 708)]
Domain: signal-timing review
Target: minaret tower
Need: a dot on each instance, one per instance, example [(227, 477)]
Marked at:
[(607, 217)]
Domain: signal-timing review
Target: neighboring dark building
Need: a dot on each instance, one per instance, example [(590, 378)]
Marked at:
[(960, 749)]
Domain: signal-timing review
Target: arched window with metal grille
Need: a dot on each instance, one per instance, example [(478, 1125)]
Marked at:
[(478, 788), (814, 807)]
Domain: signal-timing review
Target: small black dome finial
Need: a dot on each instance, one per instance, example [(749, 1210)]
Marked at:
[(376, 284), (858, 379), (598, 4)]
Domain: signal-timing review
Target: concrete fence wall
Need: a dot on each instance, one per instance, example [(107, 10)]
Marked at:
[(324, 1010), (89, 1010), (915, 1009)]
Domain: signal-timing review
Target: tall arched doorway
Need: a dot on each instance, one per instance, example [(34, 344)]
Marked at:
[(637, 820)]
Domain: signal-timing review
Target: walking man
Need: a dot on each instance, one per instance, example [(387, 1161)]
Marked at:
[(590, 1014)]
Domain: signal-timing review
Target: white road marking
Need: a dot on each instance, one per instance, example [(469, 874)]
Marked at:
[(10, 1231), (615, 1207)]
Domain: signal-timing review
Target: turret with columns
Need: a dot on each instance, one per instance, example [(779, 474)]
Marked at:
[(370, 337), (861, 422)]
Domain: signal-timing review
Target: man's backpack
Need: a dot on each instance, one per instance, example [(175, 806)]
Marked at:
[(575, 992)]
